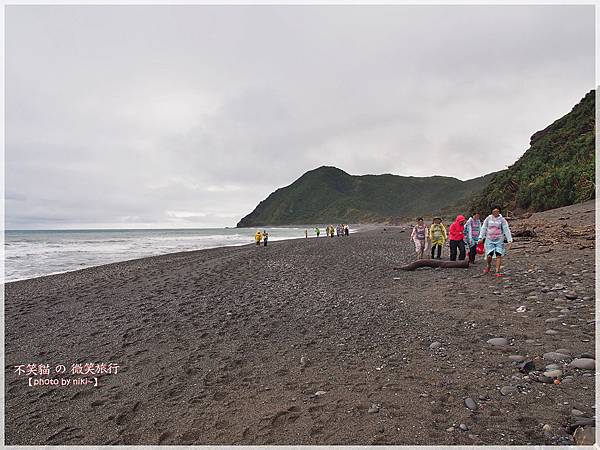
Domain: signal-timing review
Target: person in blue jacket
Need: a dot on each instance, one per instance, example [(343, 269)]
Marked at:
[(493, 231), (472, 230)]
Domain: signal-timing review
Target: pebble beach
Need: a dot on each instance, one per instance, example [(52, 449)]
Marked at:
[(314, 341)]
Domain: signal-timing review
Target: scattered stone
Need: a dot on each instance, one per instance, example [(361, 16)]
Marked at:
[(450, 429), (565, 311), (304, 361), (577, 413), (470, 403), (497, 341), (585, 436), (547, 427), (564, 351), (319, 393), (374, 408), (551, 332), (507, 390), (553, 373), (516, 358), (551, 319), (541, 378), (521, 309), (571, 295), (526, 366), (568, 379), (556, 357), (584, 363), (463, 427), (435, 345), (583, 422), (587, 355)]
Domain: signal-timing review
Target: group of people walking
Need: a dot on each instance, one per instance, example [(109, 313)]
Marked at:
[(463, 234), (339, 230), (261, 236)]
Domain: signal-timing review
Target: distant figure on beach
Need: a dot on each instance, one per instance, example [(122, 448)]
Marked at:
[(457, 236), (265, 237), (338, 230), (258, 237), (330, 230), (493, 231), (305, 233), (420, 235), (318, 231), (438, 235), (472, 229), (346, 230)]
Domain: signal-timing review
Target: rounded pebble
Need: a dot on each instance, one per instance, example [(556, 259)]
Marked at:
[(584, 363), (553, 373), (556, 357), (470, 403), (497, 341), (507, 390)]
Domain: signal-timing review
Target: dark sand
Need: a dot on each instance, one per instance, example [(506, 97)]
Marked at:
[(210, 344)]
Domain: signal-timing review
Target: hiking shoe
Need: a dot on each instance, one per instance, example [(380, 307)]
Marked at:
[(498, 274)]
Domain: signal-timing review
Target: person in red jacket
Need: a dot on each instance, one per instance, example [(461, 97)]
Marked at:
[(456, 235)]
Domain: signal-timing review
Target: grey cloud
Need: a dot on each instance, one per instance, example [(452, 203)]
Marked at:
[(190, 115)]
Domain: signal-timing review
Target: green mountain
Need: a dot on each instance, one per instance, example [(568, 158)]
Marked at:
[(330, 195), (557, 170)]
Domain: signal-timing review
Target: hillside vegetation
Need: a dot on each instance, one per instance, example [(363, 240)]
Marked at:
[(557, 170)]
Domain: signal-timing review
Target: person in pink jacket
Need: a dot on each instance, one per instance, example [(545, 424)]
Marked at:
[(456, 233)]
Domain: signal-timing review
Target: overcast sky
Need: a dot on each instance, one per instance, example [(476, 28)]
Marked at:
[(169, 116)]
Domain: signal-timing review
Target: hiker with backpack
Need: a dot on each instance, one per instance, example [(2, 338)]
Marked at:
[(493, 232)]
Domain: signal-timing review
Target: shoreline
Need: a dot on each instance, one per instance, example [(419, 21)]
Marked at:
[(271, 242)]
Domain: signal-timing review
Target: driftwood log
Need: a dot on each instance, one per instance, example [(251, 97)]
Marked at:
[(435, 263)]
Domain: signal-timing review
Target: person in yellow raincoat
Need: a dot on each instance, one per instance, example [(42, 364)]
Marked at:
[(258, 237), (438, 236)]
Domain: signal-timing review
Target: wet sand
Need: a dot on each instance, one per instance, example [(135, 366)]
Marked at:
[(309, 341)]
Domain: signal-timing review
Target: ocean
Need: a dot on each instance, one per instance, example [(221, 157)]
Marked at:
[(34, 253)]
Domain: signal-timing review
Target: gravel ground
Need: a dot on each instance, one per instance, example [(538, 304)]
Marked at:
[(311, 341)]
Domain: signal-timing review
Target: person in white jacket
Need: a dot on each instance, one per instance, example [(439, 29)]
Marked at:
[(420, 236), (493, 231)]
